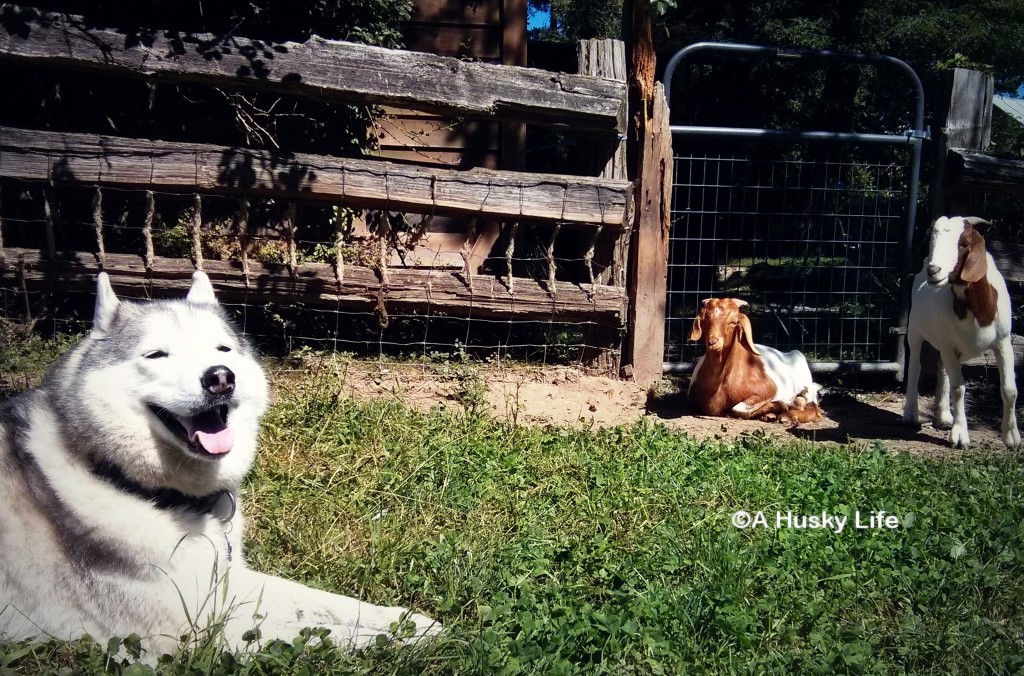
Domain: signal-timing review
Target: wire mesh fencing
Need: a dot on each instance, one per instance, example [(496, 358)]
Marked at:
[(809, 234), (375, 283)]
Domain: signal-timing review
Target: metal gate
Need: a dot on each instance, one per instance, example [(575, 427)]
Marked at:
[(812, 228)]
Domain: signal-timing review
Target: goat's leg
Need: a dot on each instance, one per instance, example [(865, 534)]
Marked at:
[(1008, 388), (958, 435), (910, 412), (943, 416), (809, 412), (755, 407)]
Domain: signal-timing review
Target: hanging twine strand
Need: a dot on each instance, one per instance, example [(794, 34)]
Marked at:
[(551, 257), (383, 234), (509, 250), (24, 290), (49, 213), (147, 230), (588, 257), (466, 251), (290, 229), (97, 221), (197, 224), (342, 220), (3, 256), (242, 235), (551, 243), (341, 223)]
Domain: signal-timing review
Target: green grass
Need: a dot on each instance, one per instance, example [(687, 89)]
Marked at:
[(584, 551)]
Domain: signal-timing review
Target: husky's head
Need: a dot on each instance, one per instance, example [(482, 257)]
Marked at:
[(166, 390)]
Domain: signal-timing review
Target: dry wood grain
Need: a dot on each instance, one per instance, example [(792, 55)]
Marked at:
[(317, 68), (161, 165), (424, 291)]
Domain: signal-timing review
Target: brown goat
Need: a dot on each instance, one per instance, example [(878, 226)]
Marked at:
[(739, 378)]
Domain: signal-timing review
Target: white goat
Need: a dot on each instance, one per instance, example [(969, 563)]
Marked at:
[(961, 306)]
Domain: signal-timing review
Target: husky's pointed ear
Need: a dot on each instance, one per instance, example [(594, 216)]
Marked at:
[(106, 304), (202, 290)]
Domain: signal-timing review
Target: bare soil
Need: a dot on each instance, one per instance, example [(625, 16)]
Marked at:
[(570, 396)]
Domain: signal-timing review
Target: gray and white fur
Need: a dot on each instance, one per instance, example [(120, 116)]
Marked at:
[(119, 480)]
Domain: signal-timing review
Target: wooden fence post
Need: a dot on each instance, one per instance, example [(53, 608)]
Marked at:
[(648, 256), (964, 122), (608, 251)]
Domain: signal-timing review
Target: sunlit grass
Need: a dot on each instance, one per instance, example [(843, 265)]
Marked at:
[(569, 550)]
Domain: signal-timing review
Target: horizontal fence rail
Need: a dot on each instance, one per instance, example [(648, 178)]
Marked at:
[(105, 160), (320, 69), (316, 284)]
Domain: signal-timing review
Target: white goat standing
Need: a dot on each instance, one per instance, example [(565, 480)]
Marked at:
[(961, 306)]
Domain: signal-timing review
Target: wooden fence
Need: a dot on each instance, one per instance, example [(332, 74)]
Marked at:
[(599, 208), (966, 175)]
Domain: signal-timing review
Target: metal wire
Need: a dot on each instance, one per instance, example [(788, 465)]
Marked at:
[(252, 232), (812, 244)]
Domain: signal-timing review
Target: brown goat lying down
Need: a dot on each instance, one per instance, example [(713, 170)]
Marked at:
[(739, 378)]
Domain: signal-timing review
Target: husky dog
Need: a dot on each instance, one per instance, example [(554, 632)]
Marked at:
[(119, 480)]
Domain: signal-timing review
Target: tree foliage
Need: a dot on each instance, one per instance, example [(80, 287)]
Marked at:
[(66, 100), (572, 20), (928, 34)]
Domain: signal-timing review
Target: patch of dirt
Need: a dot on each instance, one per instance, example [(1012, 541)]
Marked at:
[(566, 396)]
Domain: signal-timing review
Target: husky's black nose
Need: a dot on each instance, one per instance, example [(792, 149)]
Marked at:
[(218, 380)]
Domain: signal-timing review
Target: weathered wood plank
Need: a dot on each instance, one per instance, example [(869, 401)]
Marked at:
[(318, 68), (606, 58), (965, 168), (436, 291), (160, 165), (649, 253), (969, 118)]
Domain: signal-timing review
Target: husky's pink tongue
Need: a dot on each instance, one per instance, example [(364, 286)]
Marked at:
[(210, 431)]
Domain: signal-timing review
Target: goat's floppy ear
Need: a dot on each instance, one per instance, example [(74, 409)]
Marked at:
[(975, 262), (201, 290), (106, 305), (695, 332), (747, 334)]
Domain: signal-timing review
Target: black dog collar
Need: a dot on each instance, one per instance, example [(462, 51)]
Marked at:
[(220, 504)]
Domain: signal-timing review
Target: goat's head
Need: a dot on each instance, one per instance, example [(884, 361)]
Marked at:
[(956, 252), (722, 321)]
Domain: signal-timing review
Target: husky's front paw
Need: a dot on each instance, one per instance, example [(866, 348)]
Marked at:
[(910, 415), (398, 624), (943, 419), (958, 436)]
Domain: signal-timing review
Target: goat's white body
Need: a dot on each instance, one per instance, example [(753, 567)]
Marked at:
[(788, 370), (932, 319)]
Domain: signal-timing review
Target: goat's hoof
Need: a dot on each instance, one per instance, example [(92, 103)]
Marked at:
[(959, 438), (911, 417), (1011, 437)]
